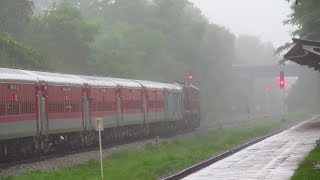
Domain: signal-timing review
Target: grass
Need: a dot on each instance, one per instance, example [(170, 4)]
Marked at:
[(152, 161), (308, 168)]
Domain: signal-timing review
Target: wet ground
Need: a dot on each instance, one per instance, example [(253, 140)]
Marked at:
[(273, 158)]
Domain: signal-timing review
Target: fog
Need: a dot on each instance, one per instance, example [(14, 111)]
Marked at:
[(262, 18), (164, 41)]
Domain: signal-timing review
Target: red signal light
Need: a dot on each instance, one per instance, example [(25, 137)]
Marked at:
[(190, 77), (282, 82)]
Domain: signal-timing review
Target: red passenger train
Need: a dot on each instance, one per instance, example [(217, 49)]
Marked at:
[(41, 112)]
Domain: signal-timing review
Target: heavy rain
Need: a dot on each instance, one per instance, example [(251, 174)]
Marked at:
[(159, 86)]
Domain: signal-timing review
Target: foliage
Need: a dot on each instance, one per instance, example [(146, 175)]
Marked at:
[(309, 168), (160, 40), (14, 16), (305, 17), (14, 54), (63, 35)]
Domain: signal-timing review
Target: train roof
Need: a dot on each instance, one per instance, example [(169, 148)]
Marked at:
[(151, 84), (55, 78), (15, 75), (25, 76), (127, 83), (192, 86), (96, 81), (173, 87), (160, 86)]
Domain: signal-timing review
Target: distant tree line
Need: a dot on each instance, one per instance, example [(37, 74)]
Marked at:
[(160, 40)]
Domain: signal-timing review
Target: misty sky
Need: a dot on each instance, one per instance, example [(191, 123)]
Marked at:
[(262, 18)]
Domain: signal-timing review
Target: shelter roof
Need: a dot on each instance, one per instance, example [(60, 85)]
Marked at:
[(305, 53)]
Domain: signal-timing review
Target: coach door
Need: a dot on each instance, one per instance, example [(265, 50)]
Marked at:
[(119, 114), (166, 108), (144, 106), (85, 111), (42, 110)]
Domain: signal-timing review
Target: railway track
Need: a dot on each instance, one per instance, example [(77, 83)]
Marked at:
[(227, 124), (11, 163), (6, 165)]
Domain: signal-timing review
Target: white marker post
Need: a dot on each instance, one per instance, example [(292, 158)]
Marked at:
[(99, 128)]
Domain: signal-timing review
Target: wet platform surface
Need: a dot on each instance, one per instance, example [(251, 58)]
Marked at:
[(276, 157)]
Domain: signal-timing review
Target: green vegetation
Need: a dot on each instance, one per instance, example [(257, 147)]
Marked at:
[(160, 40), (15, 16), (63, 36), (310, 167), (305, 15), (305, 20), (153, 161), (14, 54)]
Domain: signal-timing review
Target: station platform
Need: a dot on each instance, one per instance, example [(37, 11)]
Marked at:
[(276, 157)]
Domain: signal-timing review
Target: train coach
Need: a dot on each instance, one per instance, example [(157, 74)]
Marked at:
[(41, 112)]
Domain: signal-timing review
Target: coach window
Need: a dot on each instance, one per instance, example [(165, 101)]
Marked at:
[(13, 108), (99, 106), (136, 104), (75, 106), (27, 107), (64, 107), (108, 106), (92, 105), (2, 109)]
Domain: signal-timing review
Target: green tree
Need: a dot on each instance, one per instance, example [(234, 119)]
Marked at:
[(305, 16), (14, 16), (62, 35), (14, 54), (160, 40), (164, 40)]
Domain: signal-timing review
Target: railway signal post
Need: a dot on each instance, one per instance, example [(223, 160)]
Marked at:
[(282, 87), (99, 128)]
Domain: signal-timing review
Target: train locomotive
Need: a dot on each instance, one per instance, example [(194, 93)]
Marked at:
[(41, 112)]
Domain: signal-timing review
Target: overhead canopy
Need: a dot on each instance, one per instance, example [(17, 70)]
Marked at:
[(305, 53)]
